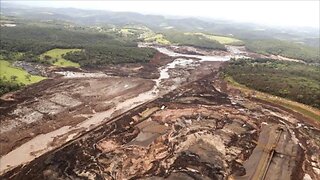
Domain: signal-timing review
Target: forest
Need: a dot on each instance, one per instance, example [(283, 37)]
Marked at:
[(285, 48), (8, 86), (94, 56), (30, 42), (34, 40), (295, 81)]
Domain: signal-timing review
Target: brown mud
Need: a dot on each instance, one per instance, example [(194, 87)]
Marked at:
[(194, 132), (168, 120)]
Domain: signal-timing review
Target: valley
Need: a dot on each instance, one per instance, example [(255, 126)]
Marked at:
[(107, 112), (93, 94)]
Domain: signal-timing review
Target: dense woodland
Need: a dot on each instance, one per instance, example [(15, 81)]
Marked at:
[(100, 47), (40, 39), (285, 48), (296, 81), (95, 56), (28, 42), (8, 86)]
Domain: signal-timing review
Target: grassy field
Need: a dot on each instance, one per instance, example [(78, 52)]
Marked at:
[(57, 59), (17, 75), (221, 39), (158, 38), (303, 109)]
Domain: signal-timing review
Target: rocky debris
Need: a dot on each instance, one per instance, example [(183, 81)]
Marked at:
[(53, 104), (195, 132), (32, 68), (197, 51), (276, 156), (145, 70), (65, 100), (201, 130), (73, 74)]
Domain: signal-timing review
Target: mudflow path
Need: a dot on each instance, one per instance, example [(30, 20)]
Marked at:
[(44, 116), (197, 131), (185, 124)]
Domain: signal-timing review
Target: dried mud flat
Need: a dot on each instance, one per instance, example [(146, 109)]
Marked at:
[(195, 132)]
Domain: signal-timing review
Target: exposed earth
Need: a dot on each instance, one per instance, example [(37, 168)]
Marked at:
[(172, 118)]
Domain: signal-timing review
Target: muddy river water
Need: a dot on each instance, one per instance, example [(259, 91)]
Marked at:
[(41, 143)]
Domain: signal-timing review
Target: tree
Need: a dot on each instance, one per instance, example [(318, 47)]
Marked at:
[(13, 78), (28, 76), (47, 57)]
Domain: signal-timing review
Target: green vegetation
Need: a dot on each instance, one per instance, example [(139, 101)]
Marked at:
[(58, 45), (126, 31), (295, 81), (96, 56), (143, 33), (10, 55), (192, 40), (286, 49), (12, 78), (16, 74), (221, 39), (98, 48), (7, 86), (293, 105), (132, 32), (158, 38), (55, 57), (37, 40)]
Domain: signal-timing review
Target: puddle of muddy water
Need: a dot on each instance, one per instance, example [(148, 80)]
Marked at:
[(30, 150)]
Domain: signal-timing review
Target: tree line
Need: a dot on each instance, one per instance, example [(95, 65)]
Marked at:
[(295, 81)]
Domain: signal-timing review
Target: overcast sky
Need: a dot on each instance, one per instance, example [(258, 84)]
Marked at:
[(283, 13)]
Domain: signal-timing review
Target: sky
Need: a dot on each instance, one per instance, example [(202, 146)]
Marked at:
[(279, 13)]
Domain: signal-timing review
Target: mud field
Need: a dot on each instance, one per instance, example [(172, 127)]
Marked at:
[(179, 122), (195, 132), (66, 102)]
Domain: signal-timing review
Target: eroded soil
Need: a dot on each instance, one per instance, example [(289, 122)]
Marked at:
[(195, 132)]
